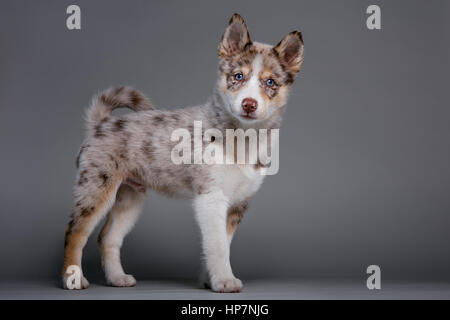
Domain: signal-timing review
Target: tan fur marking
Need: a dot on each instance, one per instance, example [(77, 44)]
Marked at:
[(81, 228), (234, 217)]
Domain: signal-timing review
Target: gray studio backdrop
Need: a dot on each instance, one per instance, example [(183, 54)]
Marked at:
[(364, 166)]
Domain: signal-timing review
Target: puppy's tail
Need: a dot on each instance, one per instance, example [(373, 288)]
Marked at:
[(121, 97)]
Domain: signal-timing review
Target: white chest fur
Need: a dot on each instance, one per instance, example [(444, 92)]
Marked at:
[(239, 182)]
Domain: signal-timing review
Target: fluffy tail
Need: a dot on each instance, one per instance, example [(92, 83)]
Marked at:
[(121, 97)]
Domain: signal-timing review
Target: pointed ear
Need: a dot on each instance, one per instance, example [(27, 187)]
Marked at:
[(236, 37), (290, 52)]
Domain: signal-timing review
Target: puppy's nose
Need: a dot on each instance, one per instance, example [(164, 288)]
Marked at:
[(249, 105)]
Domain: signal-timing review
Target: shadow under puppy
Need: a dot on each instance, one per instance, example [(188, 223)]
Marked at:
[(123, 156)]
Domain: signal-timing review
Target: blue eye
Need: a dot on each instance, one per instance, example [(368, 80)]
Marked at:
[(270, 82), (239, 76)]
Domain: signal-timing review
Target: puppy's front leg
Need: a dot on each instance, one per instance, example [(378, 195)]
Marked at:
[(211, 214)]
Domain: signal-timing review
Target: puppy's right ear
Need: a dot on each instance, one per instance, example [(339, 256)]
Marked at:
[(236, 37)]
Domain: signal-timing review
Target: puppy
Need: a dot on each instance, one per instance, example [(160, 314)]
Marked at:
[(124, 156)]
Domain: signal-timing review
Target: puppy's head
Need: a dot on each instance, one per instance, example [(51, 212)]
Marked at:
[(254, 78)]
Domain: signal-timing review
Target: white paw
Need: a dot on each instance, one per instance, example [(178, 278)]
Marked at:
[(84, 283), (227, 285), (121, 280)]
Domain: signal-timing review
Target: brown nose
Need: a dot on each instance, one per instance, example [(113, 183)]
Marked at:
[(249, 105)]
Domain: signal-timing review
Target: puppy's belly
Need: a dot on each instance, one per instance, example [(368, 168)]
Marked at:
[(237, 182)]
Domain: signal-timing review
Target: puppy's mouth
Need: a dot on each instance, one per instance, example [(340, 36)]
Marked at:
[(248, 116)]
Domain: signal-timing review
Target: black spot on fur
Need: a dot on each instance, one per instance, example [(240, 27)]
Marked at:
[(104, 99), (123, 156), (119, 124), (98, 131), (82, 179), (103, 176), (110, 99), (86, 211), (99, 128), (175, 116), (188, 181), (290, 78), (135, 98), (100, 238), (158, 118), (68, 231), (147, 149)]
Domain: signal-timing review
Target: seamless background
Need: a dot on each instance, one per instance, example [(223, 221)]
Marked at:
[(364, 166)]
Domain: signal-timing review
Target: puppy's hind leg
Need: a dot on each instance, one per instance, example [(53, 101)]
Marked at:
[(120, 221), (93, 202)]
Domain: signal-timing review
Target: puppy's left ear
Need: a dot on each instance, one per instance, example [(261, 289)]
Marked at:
[(236, 37), (290, 52)]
